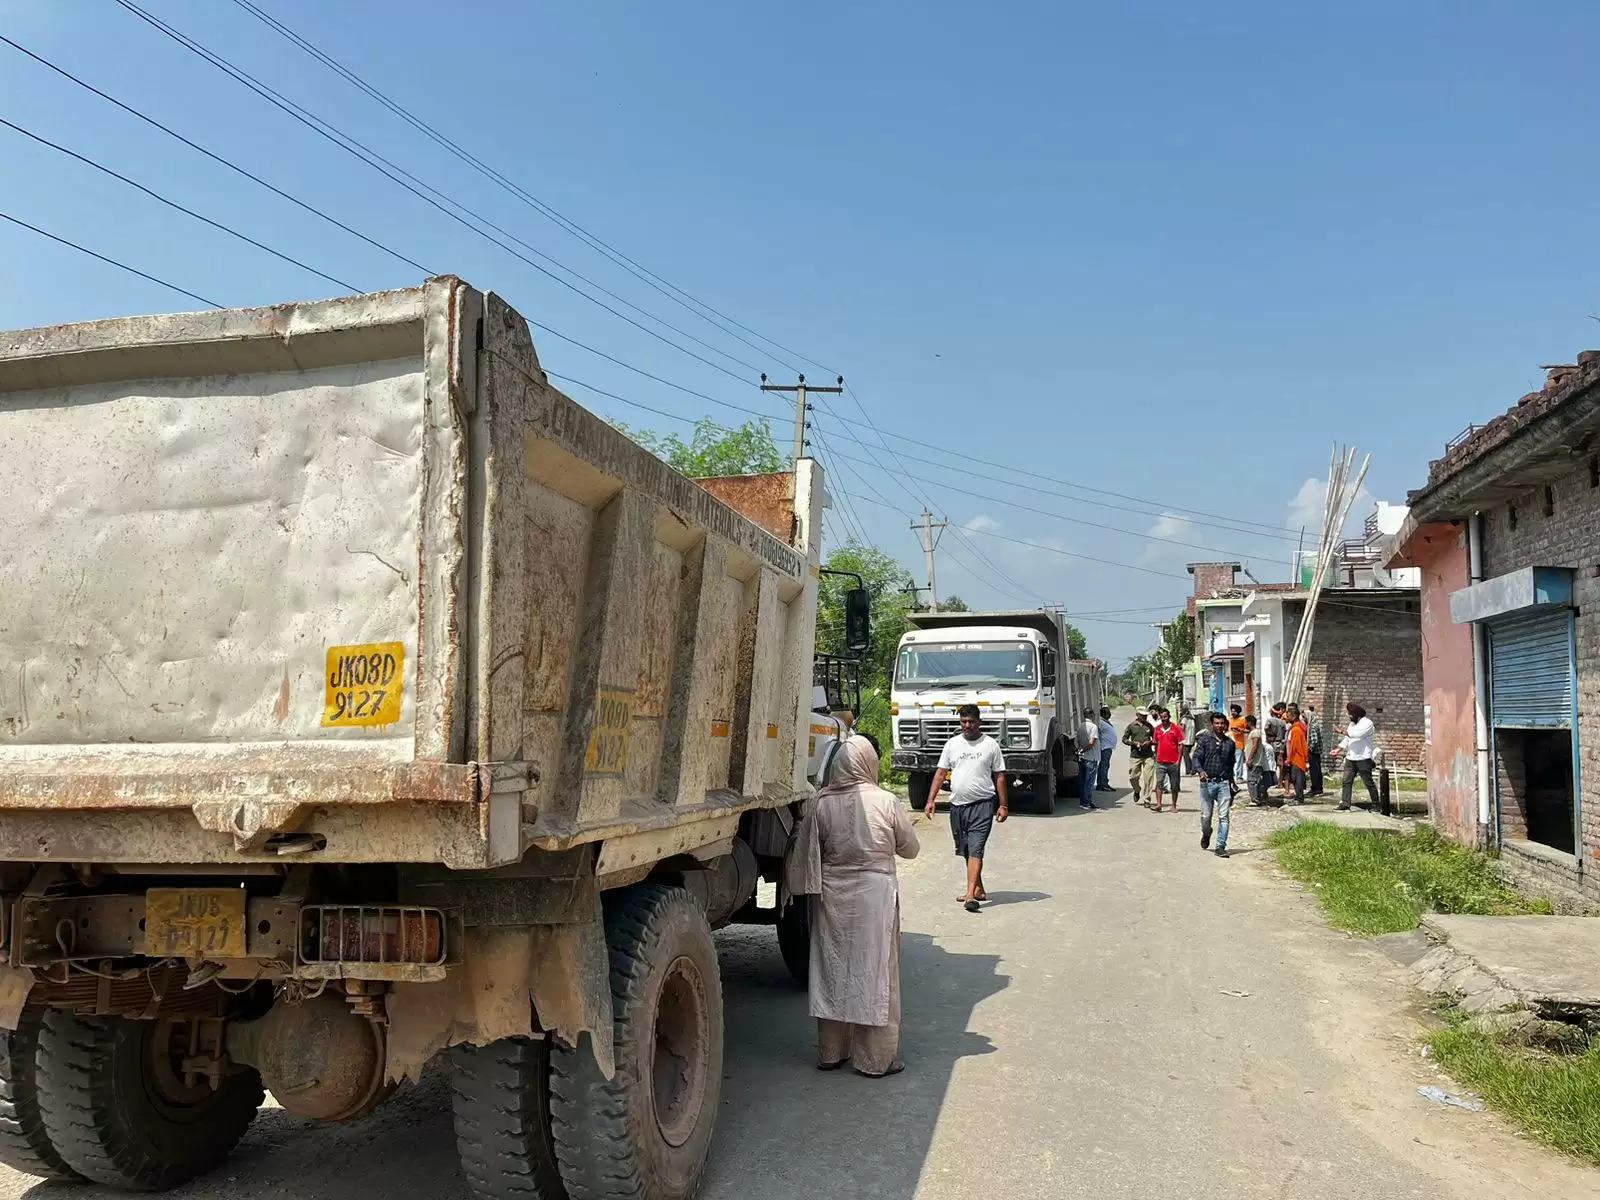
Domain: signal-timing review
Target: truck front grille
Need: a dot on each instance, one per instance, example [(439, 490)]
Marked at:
[(936, 731)]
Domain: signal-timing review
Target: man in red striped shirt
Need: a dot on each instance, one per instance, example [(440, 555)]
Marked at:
[(1169, 757)]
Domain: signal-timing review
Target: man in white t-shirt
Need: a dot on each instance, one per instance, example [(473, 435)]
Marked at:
[(977, 772)]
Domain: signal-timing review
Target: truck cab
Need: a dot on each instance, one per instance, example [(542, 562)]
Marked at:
[(1011, 666)]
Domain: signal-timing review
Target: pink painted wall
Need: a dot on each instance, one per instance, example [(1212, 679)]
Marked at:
[(1441, 553)]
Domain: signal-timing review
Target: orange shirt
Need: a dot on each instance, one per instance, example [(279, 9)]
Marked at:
[(1238, 730), (1299, 752)]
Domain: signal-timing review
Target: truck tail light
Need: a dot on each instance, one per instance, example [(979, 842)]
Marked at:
[(371, 933)]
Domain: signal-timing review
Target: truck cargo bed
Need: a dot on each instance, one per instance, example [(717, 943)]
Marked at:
[(349, 580)]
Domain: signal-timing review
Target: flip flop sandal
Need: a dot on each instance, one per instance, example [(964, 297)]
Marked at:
[(970, 906), (833, 1066), (894, 1068)]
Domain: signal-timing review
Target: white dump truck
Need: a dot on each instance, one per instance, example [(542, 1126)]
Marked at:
[(1013, 667), (364, 699)]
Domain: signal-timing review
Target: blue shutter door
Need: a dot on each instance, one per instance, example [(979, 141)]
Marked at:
[(1531, 675)]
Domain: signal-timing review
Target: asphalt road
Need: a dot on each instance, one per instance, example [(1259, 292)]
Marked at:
[(1077, 1038)]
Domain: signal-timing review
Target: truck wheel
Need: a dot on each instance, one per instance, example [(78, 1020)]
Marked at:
[(24, 1144), (1064, 786), (794, 938), (502, 1109), (118, 1111), (917, 787), (1044, 790), (644, 1134)]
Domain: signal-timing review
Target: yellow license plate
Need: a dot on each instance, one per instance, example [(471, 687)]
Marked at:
[(194, 922)]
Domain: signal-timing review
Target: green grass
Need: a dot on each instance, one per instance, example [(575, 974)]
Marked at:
[(1408, 783), (1372, 882), (1555, 1098)]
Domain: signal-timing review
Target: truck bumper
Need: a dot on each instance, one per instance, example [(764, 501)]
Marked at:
[(1018, 762)]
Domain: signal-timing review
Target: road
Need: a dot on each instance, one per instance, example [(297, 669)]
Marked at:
[(1077, 1038)]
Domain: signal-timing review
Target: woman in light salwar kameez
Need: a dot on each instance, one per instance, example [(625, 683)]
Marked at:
[(858, 829)]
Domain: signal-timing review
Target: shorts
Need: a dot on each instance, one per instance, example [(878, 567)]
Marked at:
[(1167, 777), (970, 825)]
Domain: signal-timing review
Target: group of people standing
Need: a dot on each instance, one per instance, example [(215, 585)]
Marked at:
[(1286, 752)]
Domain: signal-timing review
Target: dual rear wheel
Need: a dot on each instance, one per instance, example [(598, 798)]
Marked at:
[(536, 1120)]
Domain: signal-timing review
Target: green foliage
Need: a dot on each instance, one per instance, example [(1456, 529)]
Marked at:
[(874, 719), (1077, 644), (884, 579), (714, 449), (1556, 1098), (1373, 882)]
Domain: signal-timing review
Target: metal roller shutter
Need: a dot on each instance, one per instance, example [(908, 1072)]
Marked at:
[(1531, 675)]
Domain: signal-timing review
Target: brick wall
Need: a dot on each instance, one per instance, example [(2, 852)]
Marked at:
[(1367, 651), (1212, 577), (1570, 537), (1509, 782)]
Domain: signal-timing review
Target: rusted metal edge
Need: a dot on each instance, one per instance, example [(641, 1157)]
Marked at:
[(408, 783), (718, 804)]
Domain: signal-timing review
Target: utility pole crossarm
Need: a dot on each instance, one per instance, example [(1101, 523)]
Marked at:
[(801, 406), (930, 529)]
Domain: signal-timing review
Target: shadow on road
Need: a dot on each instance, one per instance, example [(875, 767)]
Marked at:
[(810, 1135), (1015, 898)]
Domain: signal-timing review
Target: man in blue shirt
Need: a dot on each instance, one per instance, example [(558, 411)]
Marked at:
[(1214, 753), (1107, 743)]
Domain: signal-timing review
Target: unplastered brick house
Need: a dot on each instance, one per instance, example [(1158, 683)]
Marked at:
[(1506, 533)]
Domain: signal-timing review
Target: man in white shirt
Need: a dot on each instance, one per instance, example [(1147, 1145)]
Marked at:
[(978, 797), (1357, 748), (1107, 743), (1088, 758)]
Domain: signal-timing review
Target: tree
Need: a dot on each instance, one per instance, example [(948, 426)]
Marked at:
[(714, 449), (1077, 644), (885, 580)]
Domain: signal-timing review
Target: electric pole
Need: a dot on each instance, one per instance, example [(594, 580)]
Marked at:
[(930, 531), (915, 593), (801, 407)]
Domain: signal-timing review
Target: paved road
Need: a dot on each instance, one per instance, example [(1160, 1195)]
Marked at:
[(1073, 1039)]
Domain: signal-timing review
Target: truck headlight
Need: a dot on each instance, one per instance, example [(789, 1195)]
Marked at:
[(1019, 739), (909, 733)]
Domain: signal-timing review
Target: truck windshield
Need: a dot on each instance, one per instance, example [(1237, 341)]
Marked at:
[(966, 664)]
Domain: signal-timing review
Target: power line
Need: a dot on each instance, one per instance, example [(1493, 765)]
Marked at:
[(989, 533), (170, 203), (215, 157), (664, 286), (429, 194), (1031, 508), (111, 261)]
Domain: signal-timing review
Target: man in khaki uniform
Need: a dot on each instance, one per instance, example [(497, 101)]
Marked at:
[(1139, 740)]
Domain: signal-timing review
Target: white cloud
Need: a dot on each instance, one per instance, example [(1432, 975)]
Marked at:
[(1306, 508), (1168, 525), (982, 523)]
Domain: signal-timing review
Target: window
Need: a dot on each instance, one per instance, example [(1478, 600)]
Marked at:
[(1549, 501), (1511, 516), (970, 664)]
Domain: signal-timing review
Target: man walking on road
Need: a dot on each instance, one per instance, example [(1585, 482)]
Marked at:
[(978, 795), (1141, 757), (1358, 750), (1169, 757), (1214, 753), (1107, 742)]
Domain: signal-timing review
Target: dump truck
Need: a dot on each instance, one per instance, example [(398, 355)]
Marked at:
[(364, 700), (1014, 667)]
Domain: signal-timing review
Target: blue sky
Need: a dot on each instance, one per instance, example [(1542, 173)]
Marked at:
[(1173, 251)]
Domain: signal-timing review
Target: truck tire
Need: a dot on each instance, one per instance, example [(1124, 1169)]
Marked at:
[(1064, 786), (118, 1112), (645, 1133), (794, 939), (918, 785), (502, 1111), (1044, 789), (24, 1144)]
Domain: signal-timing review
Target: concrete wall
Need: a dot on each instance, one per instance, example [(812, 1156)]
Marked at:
[(1441, 555), (1570, 537), (1367, 650)]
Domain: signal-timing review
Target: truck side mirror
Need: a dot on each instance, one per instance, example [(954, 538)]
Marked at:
[(858, 620)]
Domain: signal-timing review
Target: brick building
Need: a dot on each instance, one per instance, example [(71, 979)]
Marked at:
[(1507, 532), (1366, 647)]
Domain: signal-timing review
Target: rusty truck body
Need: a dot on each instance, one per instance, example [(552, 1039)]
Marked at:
[(363, 698)]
